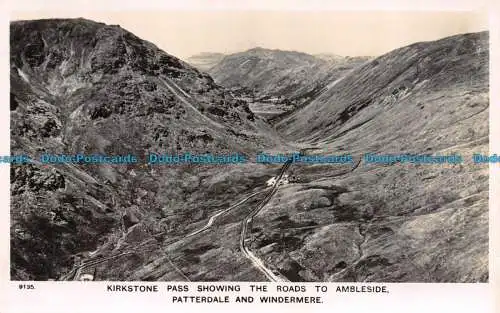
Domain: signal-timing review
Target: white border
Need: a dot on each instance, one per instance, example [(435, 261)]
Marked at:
[(91, 297)]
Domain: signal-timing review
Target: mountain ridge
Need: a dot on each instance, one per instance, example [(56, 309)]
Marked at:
[(78, 86), (271, 73)]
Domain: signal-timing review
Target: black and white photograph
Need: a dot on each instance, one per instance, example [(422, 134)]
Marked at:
[(250, 146)]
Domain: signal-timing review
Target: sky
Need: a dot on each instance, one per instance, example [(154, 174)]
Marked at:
[(348, 33)]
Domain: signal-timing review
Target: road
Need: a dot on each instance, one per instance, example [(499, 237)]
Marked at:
[(215, 216), (75, 273), (258, 263), (187, 100)]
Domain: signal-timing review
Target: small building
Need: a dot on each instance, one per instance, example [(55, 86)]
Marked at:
[(271, 181), (284, 180)]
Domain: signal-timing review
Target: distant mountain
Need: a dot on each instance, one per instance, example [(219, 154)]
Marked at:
[(205, 61), (293, 75), (78, 86)]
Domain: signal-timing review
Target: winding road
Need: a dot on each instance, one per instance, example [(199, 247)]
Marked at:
[(215, 216), (258, 263), (75, 272)]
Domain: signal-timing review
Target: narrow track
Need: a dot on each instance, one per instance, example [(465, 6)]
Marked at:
[(258, 263)]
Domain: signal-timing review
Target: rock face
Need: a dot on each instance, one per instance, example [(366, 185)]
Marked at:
[(290, 75), (400, 222), (78, 86)]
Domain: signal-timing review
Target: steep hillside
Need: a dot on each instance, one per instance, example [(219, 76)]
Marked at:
[(290, 75), (205, 61), (400, 222), (78, 86)]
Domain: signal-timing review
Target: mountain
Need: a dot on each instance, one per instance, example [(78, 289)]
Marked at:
[(295, 76), (79, 86), (204, 61), (403, 222)]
